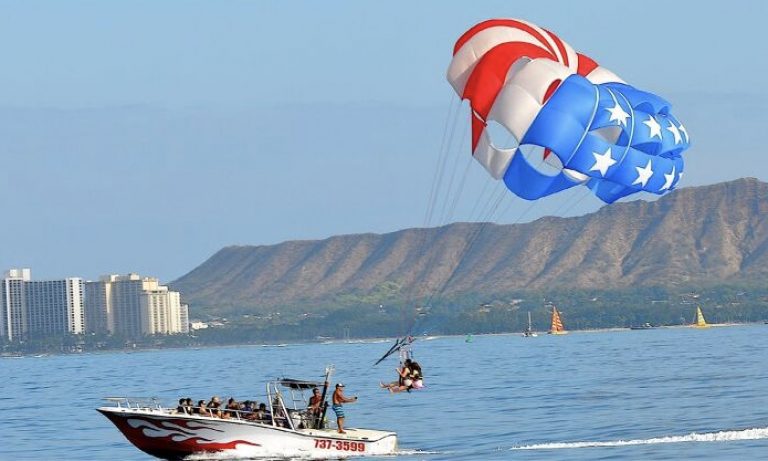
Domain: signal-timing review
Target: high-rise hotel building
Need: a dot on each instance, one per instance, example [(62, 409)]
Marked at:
[(132, 305), (39, 308), (127, 305)]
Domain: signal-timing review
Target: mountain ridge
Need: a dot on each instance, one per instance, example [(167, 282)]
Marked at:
[(694, 235)]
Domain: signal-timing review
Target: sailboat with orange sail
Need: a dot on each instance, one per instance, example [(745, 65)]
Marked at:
[(557, 327), (700, 321)]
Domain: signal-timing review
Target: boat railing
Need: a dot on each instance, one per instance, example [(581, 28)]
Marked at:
[(135, 402), (279, 416), (278, 413)]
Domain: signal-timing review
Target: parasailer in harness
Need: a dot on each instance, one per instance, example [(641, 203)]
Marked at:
[(404, 378), (409, 374), (417, 378)]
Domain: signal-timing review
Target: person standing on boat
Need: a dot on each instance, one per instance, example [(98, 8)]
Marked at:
[(338, 401), (316, 402)]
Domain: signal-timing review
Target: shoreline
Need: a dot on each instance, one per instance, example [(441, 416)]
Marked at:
[(372, 340)]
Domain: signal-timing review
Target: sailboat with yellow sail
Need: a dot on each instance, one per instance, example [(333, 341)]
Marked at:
[(700, 322), (557, 327)]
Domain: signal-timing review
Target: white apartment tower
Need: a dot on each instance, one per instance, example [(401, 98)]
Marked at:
[(39, 308), (54, 307), (13, 309)]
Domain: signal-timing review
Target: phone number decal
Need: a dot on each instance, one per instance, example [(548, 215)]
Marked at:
[(341, 445)]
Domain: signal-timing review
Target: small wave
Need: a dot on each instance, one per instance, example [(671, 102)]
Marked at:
[(722, 436)]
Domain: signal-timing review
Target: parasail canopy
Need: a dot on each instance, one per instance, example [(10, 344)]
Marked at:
[(592, 127)]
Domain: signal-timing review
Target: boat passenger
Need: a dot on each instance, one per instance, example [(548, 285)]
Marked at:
[(315, 408), (315, 402), (200, 409), (188, 405), (214, 408), (338, 401), (262, 414), (233, 407), (250, 410), (182, 406)]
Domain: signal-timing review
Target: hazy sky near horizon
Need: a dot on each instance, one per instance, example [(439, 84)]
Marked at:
[(146, 135)]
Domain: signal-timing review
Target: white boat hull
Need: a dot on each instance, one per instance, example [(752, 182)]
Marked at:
[(165, 434)]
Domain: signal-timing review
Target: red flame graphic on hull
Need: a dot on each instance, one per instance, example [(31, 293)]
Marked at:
[(170, 438)]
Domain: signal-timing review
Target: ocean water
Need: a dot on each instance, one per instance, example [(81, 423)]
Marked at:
[(675, 393)]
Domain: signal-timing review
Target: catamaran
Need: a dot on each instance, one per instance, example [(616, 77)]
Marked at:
[(700, 322), (557, 324), (529, 333), (286, 429)]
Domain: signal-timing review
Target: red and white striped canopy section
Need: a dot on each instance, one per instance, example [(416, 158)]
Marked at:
[(507, 69)]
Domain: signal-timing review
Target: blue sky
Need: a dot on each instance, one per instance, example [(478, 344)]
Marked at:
[(145, 135)]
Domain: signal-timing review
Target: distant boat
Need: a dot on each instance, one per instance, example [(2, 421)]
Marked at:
[(700, 322), (468, 339), (557, 324), (529, 333), (11, 355), (645, 326)]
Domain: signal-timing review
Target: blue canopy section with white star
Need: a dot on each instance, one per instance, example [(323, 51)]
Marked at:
[(612, 137)]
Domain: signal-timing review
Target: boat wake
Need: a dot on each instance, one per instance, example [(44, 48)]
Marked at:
[(722, 436), (243, 455)]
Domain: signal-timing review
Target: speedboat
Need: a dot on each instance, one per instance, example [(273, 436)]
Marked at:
[(286, 429)]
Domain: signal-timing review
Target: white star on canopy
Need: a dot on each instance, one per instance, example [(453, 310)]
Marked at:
[(653, 126), (617, 112), (643, 174), (603, 162), (684, 131), (673, 128), (668, 179)]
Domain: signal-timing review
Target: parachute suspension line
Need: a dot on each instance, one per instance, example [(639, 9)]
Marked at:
[(485, 211), (474, 236), (445, 147), (427, 212), (457, 197), (405, 354), (440, 195), (444, 218), (483, 191), (522, 215), (449, 128), (566, 205), (568, 208), (531, 205)]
